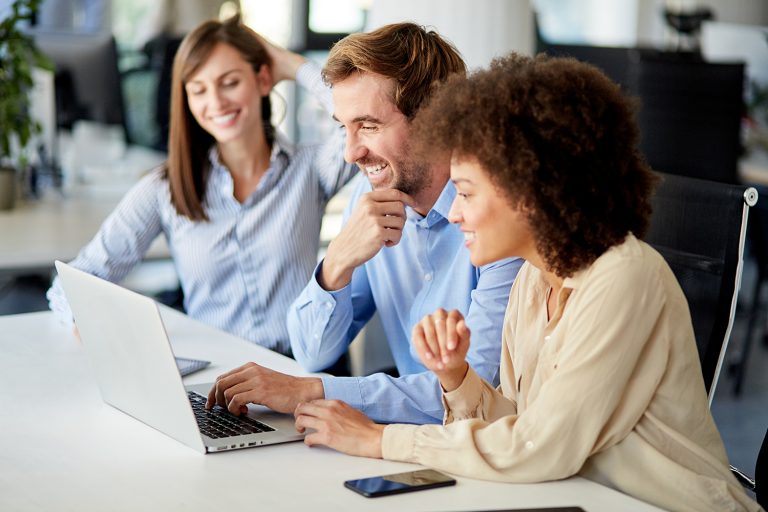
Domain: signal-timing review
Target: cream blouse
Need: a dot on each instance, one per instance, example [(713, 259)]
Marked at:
[(610, 388)]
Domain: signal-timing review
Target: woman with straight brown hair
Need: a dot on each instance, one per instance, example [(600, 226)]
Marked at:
[(239, 207)]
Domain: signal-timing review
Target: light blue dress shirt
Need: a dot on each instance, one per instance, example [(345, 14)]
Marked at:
[(241, 270), (428, 269)]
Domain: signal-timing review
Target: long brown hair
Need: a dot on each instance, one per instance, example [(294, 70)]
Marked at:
[(188, 143), (416, 59)]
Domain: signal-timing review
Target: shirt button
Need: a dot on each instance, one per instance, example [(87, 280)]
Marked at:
[(328, 305), (317, 336), (529, 445), (546, 338), (427, 277)]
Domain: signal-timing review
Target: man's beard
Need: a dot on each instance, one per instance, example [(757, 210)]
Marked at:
[(412, 178)]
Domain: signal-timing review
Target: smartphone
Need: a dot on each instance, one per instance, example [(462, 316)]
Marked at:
[(399, 483), (546, 509)]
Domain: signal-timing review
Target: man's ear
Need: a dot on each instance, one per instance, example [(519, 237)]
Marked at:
[(264, 79)]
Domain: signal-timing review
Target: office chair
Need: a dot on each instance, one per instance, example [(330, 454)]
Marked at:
[(757, 234), (699, 227), (168, 45), (690, 110), (616, 62), (759, 484), (690, 114), (761, 474), (148, 89), (687, 25)]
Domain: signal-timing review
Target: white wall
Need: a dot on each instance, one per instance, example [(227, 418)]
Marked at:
[(480, 29)]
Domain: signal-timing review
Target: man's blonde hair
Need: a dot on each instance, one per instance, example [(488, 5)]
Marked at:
[(416, 59)]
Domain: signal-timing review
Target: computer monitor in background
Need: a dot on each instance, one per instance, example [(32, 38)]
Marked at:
[(88, 84)]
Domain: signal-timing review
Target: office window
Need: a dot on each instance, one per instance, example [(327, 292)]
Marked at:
[(272, 19), (336, 16), (327, 21), (592, 22)]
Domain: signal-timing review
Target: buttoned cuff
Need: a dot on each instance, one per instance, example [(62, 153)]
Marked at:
[(463, 402), (346, 389), (398, 442), (317, 294), (322, 304)]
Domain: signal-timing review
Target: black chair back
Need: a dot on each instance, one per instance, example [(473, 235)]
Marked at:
[(616, 62), (761, 474), (690, 114), (690, 110), (699, 227)]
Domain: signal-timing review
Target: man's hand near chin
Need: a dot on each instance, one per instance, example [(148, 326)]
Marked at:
[(377, 221), (255, 384)]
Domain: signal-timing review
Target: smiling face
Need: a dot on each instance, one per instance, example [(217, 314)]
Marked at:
[(224, 95), (377, 133), (493, 229)]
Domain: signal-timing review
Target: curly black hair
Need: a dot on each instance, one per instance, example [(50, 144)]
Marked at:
[(556, 136)]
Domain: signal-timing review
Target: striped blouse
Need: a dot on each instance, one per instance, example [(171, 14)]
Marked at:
[(241, 270)]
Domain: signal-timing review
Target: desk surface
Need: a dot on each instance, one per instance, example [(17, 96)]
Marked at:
[(63, 449), (37, 232)]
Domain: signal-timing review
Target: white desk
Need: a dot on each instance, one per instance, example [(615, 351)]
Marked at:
[(62, 449), (36, 232)]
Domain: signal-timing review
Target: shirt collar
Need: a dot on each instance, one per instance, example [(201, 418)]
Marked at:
[(576, 279), (440, 209), (280, 146)]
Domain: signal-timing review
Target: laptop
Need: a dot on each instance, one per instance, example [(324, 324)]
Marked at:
[(188, 366), (126, 341)]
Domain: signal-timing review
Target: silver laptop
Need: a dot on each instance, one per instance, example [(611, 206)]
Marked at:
[(124, 336)]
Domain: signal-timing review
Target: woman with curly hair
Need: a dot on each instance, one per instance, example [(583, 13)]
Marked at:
[(600, 374)]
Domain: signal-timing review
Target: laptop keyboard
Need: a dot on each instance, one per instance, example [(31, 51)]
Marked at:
[(218, 422)]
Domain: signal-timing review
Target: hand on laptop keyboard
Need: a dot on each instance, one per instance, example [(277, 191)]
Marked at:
[(255, 384)]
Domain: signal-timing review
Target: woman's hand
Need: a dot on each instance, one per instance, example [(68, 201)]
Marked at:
[(339, 426), (442, 341)]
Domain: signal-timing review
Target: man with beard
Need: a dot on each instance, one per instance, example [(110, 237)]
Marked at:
[(397, 254)]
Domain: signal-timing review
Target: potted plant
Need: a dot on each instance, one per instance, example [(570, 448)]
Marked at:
[(18, 58)]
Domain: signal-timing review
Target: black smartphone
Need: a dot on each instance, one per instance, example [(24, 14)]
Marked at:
[(399, 483), (546, 509)]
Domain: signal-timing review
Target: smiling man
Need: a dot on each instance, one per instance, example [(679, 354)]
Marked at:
[(397, 254)]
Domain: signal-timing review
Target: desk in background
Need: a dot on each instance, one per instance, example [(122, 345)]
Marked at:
[(56, 226), (753, 168), (37, 232), (63, 449)]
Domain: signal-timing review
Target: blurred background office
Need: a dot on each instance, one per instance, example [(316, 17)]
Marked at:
[(699, 68)]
